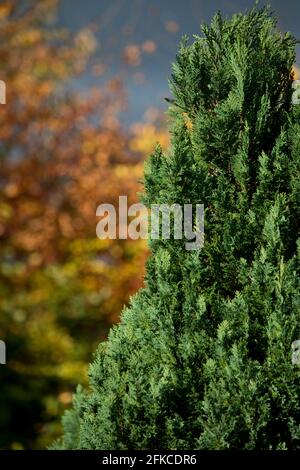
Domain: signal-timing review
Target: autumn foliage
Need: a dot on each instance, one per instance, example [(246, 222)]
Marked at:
[(61, 155)]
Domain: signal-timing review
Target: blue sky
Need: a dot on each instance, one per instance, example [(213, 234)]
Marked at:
[(123, 22)]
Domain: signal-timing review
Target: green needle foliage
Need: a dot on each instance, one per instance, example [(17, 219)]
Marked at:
[(202, 357)]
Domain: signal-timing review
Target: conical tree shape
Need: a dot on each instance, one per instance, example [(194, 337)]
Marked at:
[(202, 358)]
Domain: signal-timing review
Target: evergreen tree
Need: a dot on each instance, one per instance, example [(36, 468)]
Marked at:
[(202, 358)]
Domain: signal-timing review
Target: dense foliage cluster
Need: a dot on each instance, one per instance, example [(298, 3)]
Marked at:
[(202, 357)]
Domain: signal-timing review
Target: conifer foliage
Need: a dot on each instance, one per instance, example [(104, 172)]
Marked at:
[(202, 357)]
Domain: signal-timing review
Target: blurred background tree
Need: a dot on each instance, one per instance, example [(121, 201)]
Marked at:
[(61, 155)]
